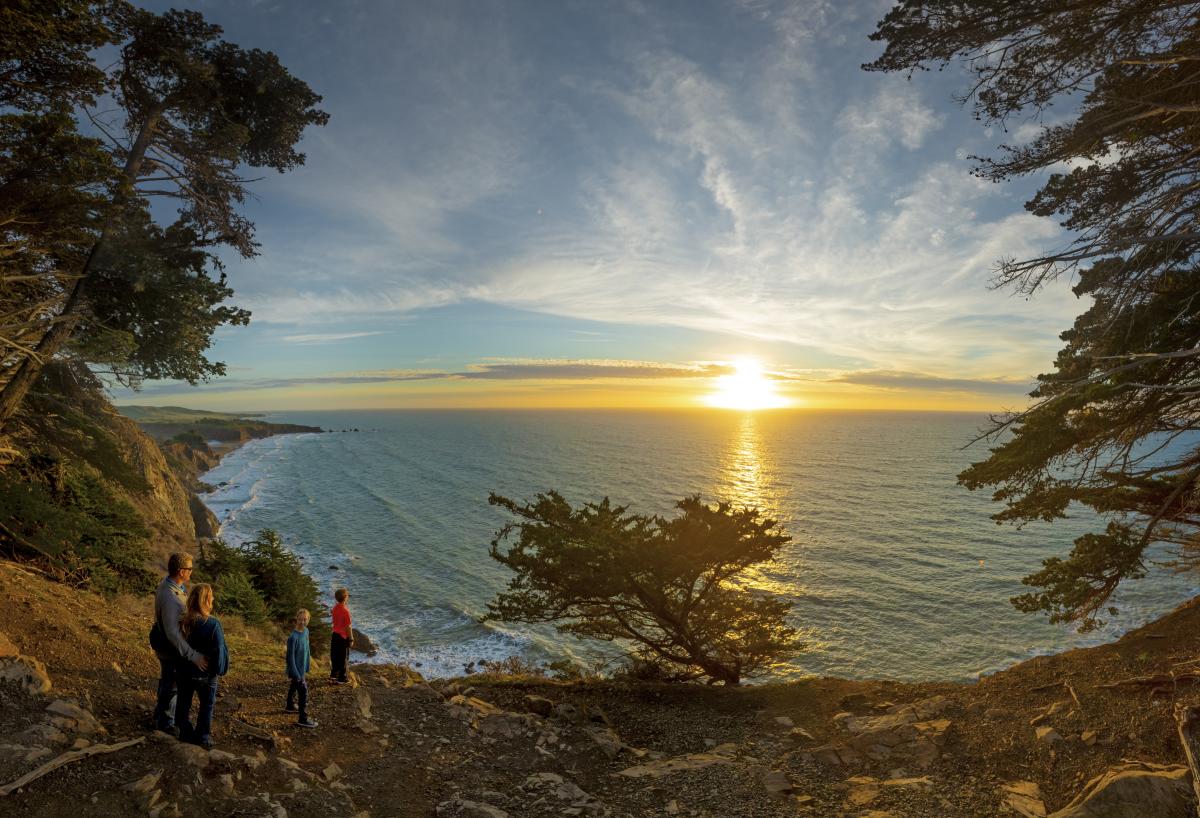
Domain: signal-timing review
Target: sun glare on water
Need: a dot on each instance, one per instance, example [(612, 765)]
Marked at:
[(746, 388)]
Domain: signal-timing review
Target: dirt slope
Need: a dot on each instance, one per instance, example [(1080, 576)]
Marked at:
[(404, 748)]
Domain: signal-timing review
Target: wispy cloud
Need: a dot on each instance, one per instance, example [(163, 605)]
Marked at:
[(327, 337), (517, 370), (919, 382)]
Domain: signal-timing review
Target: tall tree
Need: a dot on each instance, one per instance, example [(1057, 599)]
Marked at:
[(670, 587), (193, 111), (1113, 426)]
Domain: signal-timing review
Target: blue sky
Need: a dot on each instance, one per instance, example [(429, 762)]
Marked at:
[(602, 188)]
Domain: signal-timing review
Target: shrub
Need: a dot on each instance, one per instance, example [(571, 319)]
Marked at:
[(263, 581), (68, 520)]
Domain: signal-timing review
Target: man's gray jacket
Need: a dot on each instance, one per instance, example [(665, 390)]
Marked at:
[(169, 604)]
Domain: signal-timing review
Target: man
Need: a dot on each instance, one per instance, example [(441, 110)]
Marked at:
[(167, 640)]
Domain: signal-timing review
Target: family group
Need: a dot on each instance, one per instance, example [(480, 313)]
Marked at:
[(190, 645)]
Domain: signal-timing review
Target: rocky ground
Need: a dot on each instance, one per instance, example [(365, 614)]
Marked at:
[(76, 683)]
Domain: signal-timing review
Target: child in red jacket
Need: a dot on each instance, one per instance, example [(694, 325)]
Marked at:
[(343, 636)]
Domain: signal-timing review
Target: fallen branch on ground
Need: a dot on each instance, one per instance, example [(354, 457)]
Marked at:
[(1156, 679), (64, 759)]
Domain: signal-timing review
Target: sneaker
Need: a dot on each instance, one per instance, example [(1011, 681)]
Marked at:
[(307, 723)]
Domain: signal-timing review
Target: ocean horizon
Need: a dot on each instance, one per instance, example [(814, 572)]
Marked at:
[(893, 572)]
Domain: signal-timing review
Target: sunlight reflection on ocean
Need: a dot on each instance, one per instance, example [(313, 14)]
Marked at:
[(894, 571)]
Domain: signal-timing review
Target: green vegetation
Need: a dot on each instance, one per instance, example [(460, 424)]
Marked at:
[(263, 582), (59, 506), (1113, 427), (86, 272), (670, 587), (175, 414)]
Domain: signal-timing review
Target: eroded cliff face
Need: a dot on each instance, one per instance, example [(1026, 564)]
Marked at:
[(168, 505), (69, 432)]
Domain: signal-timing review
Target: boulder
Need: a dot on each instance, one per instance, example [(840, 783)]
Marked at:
[(1134, 790), (27, 673), (906, 732), (1024, 798), (777, 784), (666, 766), (361, 643), (191, 754), (70, 716), (540, 705), (1048, 735)]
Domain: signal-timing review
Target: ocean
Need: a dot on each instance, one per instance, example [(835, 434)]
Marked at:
[(894, 571)]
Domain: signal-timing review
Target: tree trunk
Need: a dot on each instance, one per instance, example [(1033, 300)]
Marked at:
[(14, 392)]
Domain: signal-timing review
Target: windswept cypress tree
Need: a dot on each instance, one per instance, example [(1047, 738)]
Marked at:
[(1113, 426), (85, 269)]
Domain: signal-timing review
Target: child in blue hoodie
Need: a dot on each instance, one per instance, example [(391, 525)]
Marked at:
[(298, 661)]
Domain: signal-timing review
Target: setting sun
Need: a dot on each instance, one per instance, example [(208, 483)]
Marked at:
[(746, 388)]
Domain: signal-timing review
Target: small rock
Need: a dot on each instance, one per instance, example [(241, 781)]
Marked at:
[(672, 807), (1089, 737), (332, 771), (1023, 798), (784, 721), (144, 784), (539, 705), (1048, 735), (777, 783), (799, 735), (191, 754)]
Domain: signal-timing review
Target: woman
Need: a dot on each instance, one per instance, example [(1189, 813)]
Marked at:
[(204, 634)]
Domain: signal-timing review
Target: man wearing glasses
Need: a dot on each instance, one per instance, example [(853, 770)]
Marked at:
[(166, 639)]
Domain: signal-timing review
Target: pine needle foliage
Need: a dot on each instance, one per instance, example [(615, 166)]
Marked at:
[(1113, 427)]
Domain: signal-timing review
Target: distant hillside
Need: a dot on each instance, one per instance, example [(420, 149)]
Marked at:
[(165, 423), (177, 414)]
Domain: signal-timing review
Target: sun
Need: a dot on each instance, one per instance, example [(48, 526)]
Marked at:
[(746, 388)]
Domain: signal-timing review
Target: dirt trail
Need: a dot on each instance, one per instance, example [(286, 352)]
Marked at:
[(396, 746)]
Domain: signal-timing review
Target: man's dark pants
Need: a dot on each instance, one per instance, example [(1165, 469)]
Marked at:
[(164, 707)]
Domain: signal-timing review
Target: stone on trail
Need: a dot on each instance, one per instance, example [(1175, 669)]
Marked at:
[(191, 754), (1134, 790), (1024, 798), (143, 785), (666, 766), (1048, 735), (777, 784), (1089, 737), (458, 808), (26, 672), (785, 721), (539, 705), (863, 790), (332, 771)]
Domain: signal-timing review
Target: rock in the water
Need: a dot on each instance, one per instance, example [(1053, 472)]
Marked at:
[(1134, 790), (361, 643)]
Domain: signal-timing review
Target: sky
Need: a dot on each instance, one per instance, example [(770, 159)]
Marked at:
[(569, 204)]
